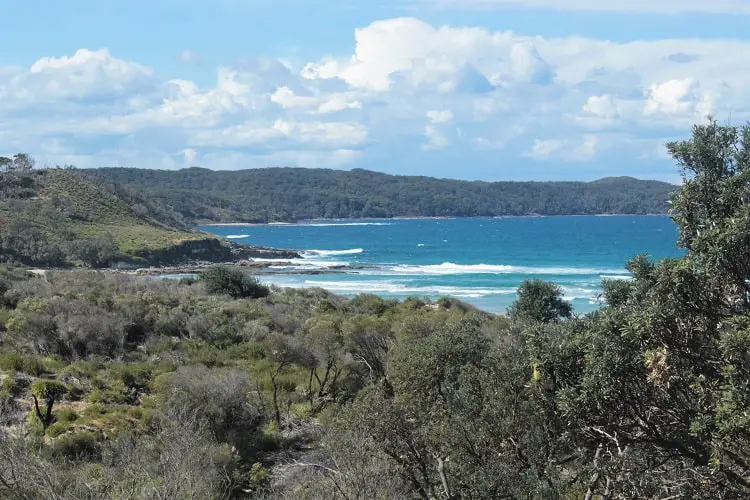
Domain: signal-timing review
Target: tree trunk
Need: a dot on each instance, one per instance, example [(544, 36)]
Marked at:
[(277, 413), (309, 388)]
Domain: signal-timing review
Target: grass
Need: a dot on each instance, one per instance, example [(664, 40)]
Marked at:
[(135, 238)]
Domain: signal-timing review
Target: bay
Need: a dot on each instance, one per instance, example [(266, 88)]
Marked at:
[(479, 260)]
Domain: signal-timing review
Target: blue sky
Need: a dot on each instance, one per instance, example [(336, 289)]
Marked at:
[(472, 89)]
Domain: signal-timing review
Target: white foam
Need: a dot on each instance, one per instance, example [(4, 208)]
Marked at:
[(615, 277), (375, 286), (420, 244), (327, 253), (238, 236), (299, 263), (336, 224), (573, 293), (451, 268)]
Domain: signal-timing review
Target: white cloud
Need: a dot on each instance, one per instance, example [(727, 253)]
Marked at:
[(528, 66), (586, 150), (565, 150), (679, 97), (85, 74), (440, 116), (435, 139), (255, 133), (318, 104), (543, 149), (411, 51), (658, 6)]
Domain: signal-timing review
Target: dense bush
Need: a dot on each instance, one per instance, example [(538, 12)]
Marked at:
[(226, 280), (540, 301)]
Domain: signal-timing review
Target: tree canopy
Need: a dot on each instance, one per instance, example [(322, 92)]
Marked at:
[(288, 194)]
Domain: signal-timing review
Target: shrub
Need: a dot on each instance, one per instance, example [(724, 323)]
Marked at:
[(541, 301), (225, 280), (220, 397), (81, 445), (98, 251), (24, 363)]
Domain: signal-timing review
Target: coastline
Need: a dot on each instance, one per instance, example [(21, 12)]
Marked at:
[(302, 222)]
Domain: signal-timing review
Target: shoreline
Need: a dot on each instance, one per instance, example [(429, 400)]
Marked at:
[(306, 221)]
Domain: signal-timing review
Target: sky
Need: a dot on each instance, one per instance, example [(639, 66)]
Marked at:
[(467, 89)]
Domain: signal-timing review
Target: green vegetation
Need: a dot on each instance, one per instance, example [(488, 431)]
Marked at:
[(540, 301), (225, 280), (56, 217), (161, 389), (288, 194)]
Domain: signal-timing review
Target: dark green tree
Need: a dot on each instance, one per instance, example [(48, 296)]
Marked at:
[(226, 280), (539, 300)]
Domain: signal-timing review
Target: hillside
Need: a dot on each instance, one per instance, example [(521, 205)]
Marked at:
[(59, 217), (288, 194)]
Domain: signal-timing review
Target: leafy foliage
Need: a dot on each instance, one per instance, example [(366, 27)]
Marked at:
[(226, 280), (540, 301)]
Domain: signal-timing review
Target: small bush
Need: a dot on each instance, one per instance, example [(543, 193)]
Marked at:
[(225, 280), (67, 415), (24, 363), (82, 445)]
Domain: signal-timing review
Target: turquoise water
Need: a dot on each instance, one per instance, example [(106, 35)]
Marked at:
[(481, 261)]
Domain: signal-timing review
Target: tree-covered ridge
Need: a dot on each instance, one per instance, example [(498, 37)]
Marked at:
[(287, 194), (57, 216)]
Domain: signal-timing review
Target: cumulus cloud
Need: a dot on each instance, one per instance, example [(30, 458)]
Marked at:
[(87, 74), (679, 97)]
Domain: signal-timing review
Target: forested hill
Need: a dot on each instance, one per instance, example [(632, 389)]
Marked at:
[(287, 194)]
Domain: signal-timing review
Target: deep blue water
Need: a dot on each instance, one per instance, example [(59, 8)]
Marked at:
[(481, 261)]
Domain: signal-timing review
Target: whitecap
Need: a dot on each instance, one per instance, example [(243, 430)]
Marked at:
[(336, 224), (327, 253), (238, 236), (374, 286), (298, 263), (420, 244), (452, 268)]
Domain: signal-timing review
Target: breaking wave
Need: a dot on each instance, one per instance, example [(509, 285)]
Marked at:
[(328, 253), (451, 268)]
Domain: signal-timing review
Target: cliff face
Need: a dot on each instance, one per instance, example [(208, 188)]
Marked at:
[(205, 250), (242, 252)]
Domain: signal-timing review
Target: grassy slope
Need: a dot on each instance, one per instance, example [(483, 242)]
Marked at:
[(112, 215)]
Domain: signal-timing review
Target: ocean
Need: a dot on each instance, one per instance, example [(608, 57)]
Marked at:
[(480, 260)]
